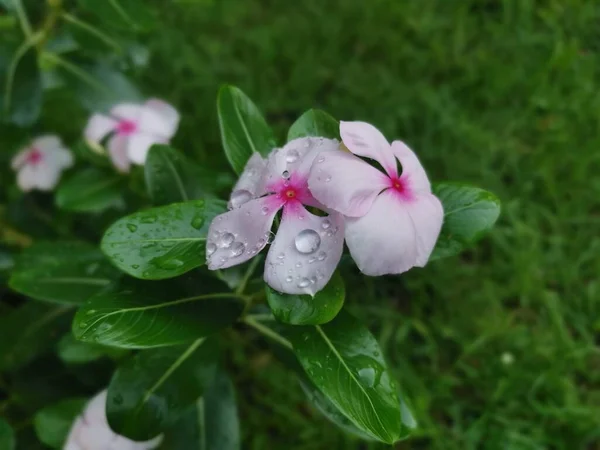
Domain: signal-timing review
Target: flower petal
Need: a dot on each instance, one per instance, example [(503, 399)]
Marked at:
[(252, 179), (46, 142), (117, 149), (27, 178), (238, 235), (169, 115), (305, 252), (98, 127), (20, 158), (58, 157), (47, 176), (138, 145), (412, 170), (363, 139), (383, 241), (345, 183), (127, 111), (427, 215)]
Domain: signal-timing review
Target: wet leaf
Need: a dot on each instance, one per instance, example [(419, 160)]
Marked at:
[(314, 122)]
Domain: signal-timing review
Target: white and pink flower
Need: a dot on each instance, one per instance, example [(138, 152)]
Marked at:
[(91, 431), (40, 165), (392, 220), (307, 247), (132, 129)]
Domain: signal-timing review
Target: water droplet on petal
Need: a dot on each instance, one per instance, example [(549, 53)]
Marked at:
[(210, 248), (321, 256), (298, 264), (281, 256), (238, 198), (270, 236), (289, 279), (226, 240), (286, 175), (304, 282), (326, 224), (328, 179), (321, 159), (237, 248), (261, 242), (265, 210), (307, 241), (292, 156), (313, 280)]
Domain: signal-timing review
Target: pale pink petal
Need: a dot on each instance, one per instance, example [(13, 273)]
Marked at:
[(236, 236), (98, 127), (20, 158), (95, 410), (71, 442), (117, 149), (138, 146), (427, 215), (412, 171), (58, 157), (154, 123), (305, 252), (27, 178), (384, 240), (251, 183), (345, 183), (169, 115), (364, 139), (127, 111), (48, 175), (46, 142)]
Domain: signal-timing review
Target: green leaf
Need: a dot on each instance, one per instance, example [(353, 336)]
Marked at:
[(122, 14), (307, 310), (90, 190), (136, 314), (29, 331), (469, 214), (161, 242), (211, 424), (314, 122), (170, 176), (7, 436), (153, 389), (343, 359), (61, 272), (72, 351), (20, 84), (243, 128), (53, 423)]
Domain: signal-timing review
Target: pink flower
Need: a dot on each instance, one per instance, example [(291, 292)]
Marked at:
[(306, 248), (392, 219), (91, 431), (133, 129), (40, 165)]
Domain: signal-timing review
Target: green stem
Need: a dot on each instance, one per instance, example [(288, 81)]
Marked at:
[(250, 320), (31, 41), (251, 268), (23, 20), (92, 30), (79, 73)]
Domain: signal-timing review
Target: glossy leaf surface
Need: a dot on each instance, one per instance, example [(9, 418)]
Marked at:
[(53, 423), (314, 122)]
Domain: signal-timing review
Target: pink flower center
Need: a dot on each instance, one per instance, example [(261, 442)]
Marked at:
[(34, 157), (401, 187), (291, 192), (126, 127)]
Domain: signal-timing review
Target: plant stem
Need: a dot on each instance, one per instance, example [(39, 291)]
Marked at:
[(31, 40), (23, 20), (250, 320), (242, 287), (92, 30)]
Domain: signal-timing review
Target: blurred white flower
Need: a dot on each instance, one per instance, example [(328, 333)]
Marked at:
[(133, 129), (40, 165), (507, 358), (91, 431)]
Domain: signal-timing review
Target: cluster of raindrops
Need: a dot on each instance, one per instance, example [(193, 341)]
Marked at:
[(239, 198), (227, 241)]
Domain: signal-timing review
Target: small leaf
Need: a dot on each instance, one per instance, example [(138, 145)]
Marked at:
[(152, 390), (314, 122), (212, 422), (170, 176), (307, 310), (161, 242), (72, 351), (61, 272), (469, 214), (90, 190), (53, 423), (135, 314), (243, 128), (343, 359), (28, 331), (7, 436)]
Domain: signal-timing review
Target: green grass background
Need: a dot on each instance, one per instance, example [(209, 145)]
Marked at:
[(501, 94), (496, 349)]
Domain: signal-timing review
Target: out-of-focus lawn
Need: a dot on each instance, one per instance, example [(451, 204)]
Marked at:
[(496, 349)]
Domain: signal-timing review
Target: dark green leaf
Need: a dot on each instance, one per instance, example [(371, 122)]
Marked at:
[(72, 351), (153, 389), (7, 436), (20, 85), (122, 14), (136, 314), (171, 177), (469, 213), (343, 359), (61, 272), (53, 423), (307, 310), (90, 190), (314, 122), (30, 330), (211, 424), (161, 242), (243, 128)]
